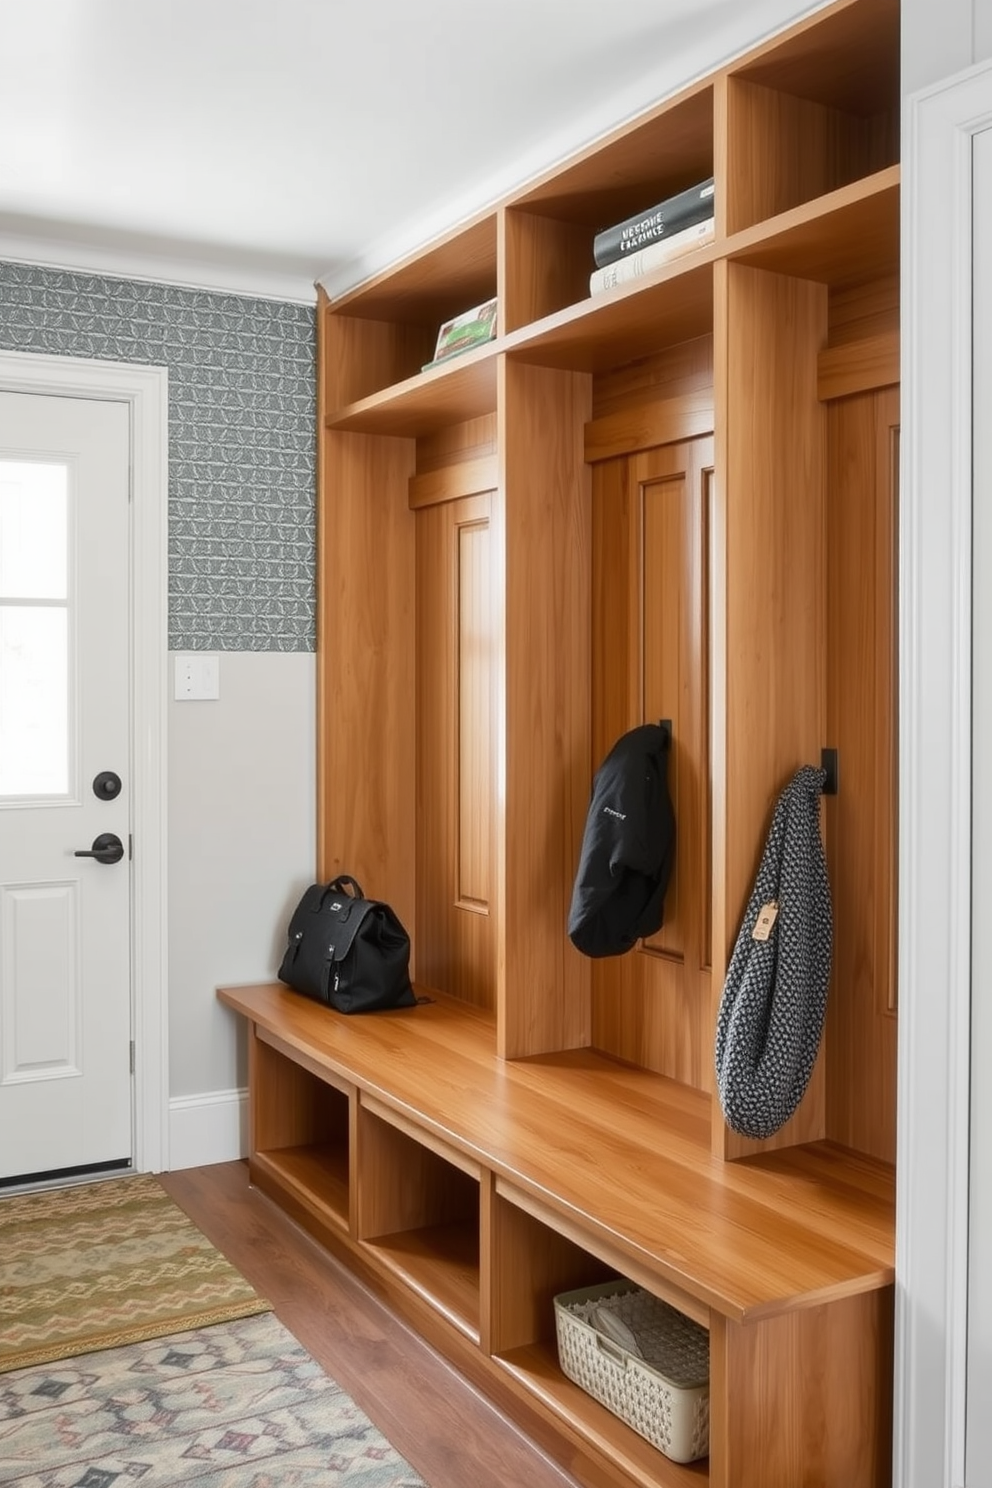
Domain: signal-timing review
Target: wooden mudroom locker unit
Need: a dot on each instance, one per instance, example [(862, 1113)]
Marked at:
[(674, 500)]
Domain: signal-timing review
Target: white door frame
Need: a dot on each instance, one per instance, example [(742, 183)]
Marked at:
[(935, 873), (145, 390)]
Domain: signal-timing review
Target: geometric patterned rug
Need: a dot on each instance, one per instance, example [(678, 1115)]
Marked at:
[(104, 1264), (237, 1405)]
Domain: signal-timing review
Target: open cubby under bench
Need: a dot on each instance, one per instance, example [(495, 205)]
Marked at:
[(470, 1190)]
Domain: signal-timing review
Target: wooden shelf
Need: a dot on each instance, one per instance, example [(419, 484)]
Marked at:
[(538, 1370), (464, 389), (451, 274), (316, 1177), (441, 1264), (848, 237)]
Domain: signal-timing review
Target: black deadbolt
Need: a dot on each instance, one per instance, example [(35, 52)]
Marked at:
[(107, 785)]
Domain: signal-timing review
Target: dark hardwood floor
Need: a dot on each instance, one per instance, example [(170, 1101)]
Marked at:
[(435, 1418)]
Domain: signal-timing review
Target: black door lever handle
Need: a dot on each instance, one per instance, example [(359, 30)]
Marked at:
[(107, 848)]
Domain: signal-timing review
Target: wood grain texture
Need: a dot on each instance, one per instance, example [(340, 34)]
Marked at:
[(784, 150), (673, 371), (361, 356), (645, 425), (451, 482), (845, 57), (547, 266), (804, 1398), (651, 650), (843, 239), (666, 149), (457, 658), (366, 669), (454, 272), (864, 310), (620, 1152), (858, 366), (862, 724), (542, 523), (771, 521)]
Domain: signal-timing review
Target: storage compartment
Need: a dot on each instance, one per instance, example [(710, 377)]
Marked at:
[(643, 1360), (551, 227), (418, 1211), (799, 127), (540, 1261), (386, 330), (300, 1130)]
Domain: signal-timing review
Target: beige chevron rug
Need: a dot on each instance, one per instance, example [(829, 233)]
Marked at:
[(105, 1264)]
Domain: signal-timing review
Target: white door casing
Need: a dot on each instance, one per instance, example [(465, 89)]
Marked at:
[(940, 128), (65, 923), (143, 392), (978, 1421)]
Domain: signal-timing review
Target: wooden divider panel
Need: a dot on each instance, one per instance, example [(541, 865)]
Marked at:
[(366, 701), (541, 572), (769, 535)]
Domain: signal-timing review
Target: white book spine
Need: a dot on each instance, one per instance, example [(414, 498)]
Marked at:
[(651, 257)]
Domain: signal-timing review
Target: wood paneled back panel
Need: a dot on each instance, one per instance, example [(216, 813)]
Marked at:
[(861, 821), (770, 587), (651, 643), (456, 753)]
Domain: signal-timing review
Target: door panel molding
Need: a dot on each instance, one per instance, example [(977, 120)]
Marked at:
[(145, 390)]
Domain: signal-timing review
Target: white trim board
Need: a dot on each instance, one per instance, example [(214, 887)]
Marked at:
[(935, 781), (209, 1128), (145, 390)]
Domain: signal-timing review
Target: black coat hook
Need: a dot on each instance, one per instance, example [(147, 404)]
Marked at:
[(830, 765)]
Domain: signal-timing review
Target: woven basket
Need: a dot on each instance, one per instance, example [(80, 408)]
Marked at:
[(665, 1395)]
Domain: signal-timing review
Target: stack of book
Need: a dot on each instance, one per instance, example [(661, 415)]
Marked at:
[(641, 243)]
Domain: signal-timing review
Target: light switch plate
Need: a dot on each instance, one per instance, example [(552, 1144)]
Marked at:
[(197, 677)]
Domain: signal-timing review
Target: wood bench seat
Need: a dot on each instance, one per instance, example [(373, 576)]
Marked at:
[(616, 1152)]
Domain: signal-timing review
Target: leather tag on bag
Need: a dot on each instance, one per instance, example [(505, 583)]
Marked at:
[(767, 915)]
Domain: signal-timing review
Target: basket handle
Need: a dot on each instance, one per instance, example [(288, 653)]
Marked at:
[(612, 1351)]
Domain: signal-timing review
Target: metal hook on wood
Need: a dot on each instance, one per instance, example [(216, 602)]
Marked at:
[(830, 765)]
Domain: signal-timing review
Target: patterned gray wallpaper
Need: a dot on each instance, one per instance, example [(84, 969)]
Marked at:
[(241, 439)]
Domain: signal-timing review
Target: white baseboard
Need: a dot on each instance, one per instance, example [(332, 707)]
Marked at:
[(208, 1128)]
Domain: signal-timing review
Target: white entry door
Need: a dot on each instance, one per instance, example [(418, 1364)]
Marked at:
[(65, 789)]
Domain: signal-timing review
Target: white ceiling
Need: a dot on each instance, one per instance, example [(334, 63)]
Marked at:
[(259, 145)]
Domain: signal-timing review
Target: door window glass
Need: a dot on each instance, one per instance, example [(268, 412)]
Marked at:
[(34, 629)]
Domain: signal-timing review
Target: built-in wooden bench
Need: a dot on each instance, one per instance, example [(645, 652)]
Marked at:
[(472, 1189)]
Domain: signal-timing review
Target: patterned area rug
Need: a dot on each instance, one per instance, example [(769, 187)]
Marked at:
[(107, 1264), (240, 1405)]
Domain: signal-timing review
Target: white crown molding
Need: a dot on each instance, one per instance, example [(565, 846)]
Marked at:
[(156, 268), (935, 780)]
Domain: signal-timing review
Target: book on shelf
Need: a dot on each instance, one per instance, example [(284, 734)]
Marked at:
[(464, 332), (668, 216), (665, 250)]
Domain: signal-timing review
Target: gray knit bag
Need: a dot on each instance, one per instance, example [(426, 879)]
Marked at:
[(774, 999)]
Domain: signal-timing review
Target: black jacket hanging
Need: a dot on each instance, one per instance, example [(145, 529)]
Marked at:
[(627, 849), (774, 999)]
